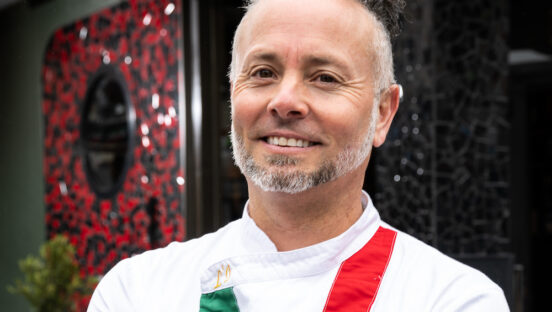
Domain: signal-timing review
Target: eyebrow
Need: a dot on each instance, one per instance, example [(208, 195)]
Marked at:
[(263, 56), (320, 60), (315, 60), (266, 56), (324, 60)]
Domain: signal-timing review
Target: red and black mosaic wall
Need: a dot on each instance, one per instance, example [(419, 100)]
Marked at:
[(113, 159)]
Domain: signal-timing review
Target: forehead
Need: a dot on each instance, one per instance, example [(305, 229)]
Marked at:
[(334, 23)]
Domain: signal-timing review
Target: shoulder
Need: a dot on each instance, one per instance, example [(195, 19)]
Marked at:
[(134, 283), (178, 255), (427, 278)]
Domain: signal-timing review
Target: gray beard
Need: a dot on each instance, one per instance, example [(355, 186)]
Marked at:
[(281, 176)]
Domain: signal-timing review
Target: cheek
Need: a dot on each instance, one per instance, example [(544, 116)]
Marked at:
[(345, 120), (245, 110)]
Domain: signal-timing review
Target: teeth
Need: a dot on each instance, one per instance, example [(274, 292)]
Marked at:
[(281, 141)]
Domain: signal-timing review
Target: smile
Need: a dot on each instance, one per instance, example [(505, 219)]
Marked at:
[(291, 142)]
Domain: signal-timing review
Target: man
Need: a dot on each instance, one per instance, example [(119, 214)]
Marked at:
[(312, 91)]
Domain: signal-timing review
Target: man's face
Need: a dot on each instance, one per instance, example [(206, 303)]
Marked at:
[(303, 98)]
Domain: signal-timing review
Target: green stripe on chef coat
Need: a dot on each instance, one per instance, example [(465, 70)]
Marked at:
[(222, 300)]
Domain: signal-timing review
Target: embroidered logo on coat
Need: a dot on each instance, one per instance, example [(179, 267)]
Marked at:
[(223, 275)]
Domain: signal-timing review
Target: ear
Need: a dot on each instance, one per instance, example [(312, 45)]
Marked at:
[(389, 103)]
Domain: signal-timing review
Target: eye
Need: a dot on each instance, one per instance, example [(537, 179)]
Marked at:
[(263, 73), (327, 78)]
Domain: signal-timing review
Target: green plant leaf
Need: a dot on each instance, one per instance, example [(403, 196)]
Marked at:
[(52, 281)]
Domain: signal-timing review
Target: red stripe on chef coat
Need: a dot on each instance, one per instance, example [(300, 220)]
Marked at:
[(357, 282)]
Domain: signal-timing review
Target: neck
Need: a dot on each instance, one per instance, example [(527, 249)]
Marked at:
[(295, 221)]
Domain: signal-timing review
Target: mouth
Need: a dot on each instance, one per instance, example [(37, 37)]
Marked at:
[(288, 142)]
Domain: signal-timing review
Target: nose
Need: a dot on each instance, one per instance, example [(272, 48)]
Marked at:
[(289, 102)]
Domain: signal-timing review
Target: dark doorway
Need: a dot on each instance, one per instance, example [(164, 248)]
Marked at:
[(531, 115)]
